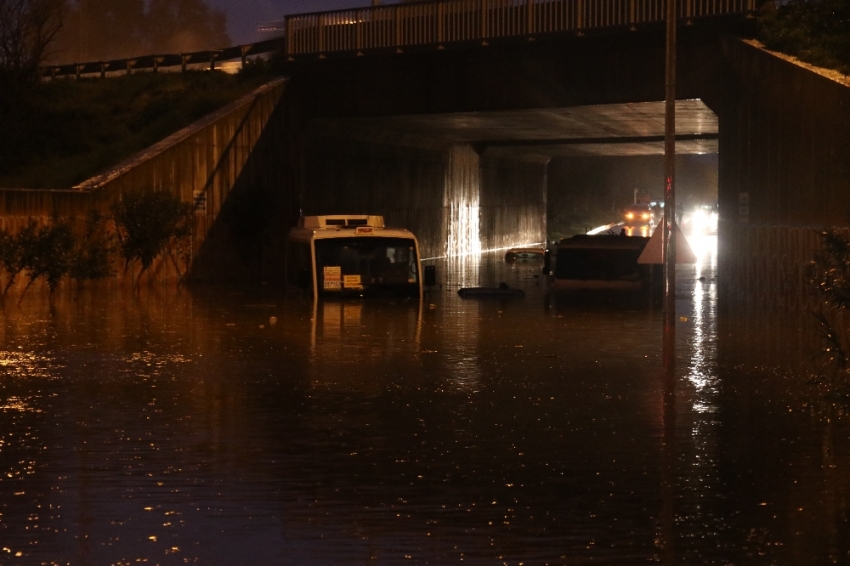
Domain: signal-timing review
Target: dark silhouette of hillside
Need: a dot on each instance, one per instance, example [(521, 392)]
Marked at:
[(56, 134)]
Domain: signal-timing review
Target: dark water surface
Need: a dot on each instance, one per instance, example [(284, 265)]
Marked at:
[(220, 427)]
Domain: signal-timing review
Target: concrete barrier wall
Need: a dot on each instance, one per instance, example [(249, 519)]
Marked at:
[(404, 184), (201, 164), (784, 132), (784, 174), (768, 267), (513, 202)]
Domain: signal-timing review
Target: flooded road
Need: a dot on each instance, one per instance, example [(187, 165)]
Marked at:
[(215, 426)]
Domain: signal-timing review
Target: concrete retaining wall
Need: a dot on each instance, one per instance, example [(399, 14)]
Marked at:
[(404, 184), (784, 174), (513, 202)]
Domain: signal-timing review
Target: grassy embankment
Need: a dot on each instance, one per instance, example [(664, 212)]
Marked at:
[(815, 31), (59, 133)]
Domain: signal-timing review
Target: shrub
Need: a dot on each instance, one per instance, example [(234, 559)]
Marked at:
[(146, 224), (829, 277), (93, 255), (11, 257), (816, 31), (47, 252)]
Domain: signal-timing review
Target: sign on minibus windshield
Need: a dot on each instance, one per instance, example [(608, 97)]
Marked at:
[(332, 277)]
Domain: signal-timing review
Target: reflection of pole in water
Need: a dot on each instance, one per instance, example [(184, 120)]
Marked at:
[(668, 470), (832, 491)]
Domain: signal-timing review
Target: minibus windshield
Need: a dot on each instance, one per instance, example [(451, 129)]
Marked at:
[(371, 265)]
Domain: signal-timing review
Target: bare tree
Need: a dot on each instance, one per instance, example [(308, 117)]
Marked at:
[(27, 28)]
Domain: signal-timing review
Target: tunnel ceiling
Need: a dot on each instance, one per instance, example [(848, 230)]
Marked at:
[(599, 130)]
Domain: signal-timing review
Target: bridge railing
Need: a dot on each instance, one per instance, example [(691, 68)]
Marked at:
[(437, 23), (167, 61), (450, 21)]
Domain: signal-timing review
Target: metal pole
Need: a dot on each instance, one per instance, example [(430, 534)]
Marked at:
[(669, 235), (668, 491)]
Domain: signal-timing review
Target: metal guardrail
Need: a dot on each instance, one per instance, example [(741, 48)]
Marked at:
[(450, 21), (208, 59), (437, 23)]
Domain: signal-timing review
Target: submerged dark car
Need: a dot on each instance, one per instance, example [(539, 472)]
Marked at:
[(602, 262)]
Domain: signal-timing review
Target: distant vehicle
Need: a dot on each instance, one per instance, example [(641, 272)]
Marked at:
[(602, 262), (352, 255), (638, 215), (701, 220)]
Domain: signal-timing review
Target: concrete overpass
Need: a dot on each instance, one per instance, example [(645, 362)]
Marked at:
[(494, 113)]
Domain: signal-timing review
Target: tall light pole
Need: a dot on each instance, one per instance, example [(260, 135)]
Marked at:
[(669, 235), (80, 33), (668, 458)]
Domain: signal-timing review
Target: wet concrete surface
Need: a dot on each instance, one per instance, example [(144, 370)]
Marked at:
[(222, 426)]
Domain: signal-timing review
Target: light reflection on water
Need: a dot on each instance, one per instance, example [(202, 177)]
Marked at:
[(186, 427), (703, 306)]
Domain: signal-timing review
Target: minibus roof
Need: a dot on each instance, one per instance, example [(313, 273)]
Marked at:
[(345, 226)]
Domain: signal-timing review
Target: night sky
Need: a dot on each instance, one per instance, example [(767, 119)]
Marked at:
[(243, 16)]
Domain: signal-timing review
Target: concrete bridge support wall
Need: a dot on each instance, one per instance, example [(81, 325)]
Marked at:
[(513, 202), (493, 202), (404, 184), (462, 202), (784, 174)]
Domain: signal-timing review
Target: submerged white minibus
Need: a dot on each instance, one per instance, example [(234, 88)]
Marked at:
[(352, 255)]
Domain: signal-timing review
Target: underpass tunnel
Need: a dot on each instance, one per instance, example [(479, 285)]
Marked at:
[(564, 136), (589, 192), (480, 181)]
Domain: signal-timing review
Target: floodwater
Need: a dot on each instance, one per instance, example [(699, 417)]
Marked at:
[(215, 426)]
